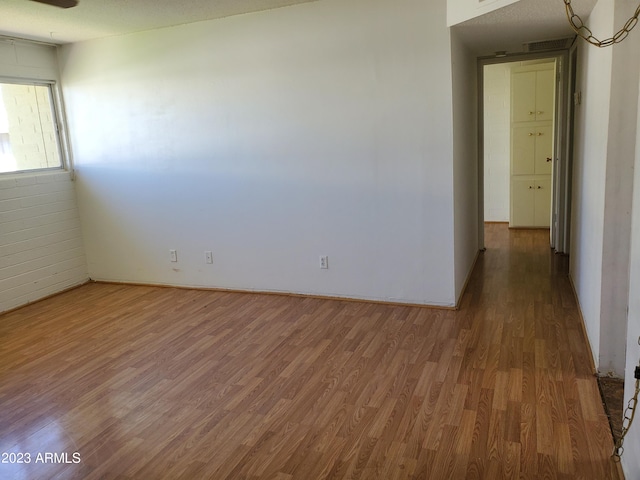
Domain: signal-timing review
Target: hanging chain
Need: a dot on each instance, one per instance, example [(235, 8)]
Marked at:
[(582, 30), (627, 420)]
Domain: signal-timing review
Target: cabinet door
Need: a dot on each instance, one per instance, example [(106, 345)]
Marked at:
[(545, 93), (542, 202), (543, 150), (523, 147), (523, 97), (522, 202)]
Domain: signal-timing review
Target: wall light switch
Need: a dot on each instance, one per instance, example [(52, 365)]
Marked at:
[(324, 262), (208, 257), (173, 254)]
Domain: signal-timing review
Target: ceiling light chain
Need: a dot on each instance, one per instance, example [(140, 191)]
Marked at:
[(582, 30)]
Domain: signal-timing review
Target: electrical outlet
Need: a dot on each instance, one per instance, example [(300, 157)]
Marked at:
[(173, 254), (208, 257), (324, 262)]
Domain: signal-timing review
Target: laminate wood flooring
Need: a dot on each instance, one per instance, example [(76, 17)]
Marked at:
[(159, 383)]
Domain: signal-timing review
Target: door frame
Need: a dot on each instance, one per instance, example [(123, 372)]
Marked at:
[(561, 199)]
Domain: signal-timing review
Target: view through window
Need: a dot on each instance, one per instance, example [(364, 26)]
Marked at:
[(28, 134)]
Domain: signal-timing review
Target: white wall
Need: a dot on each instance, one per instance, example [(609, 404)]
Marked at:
[(591, 137), (497, 141), (270, 139), (465, 160), (40, 237), (603, 186), (631, 459), (619, 196)]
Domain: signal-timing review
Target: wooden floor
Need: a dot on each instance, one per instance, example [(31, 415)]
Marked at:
[(154, 383)]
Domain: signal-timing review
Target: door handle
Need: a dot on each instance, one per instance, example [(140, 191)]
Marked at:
[(540, 134), (548, 159), (530, 187), (539, 187)]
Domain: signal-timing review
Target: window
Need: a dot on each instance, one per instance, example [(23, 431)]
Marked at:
[(28, 131)]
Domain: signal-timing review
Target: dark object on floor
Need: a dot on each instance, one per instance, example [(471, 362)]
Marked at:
[(612, 391)]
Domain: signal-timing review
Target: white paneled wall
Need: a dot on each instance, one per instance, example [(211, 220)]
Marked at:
[(40, 237)]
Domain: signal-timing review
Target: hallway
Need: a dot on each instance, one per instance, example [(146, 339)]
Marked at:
[(521, 292), (151, 383)]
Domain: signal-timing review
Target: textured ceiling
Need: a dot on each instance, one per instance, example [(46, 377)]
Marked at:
[(522, 22), (102, 18), (504, 29)]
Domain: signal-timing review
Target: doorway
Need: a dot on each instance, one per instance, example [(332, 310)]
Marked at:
[(537, 190)]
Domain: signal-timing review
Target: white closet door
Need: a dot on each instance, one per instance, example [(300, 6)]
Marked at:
[(523, 97), (544, 95), (542, 202), (523, 147), (543, 150), (522, 198)]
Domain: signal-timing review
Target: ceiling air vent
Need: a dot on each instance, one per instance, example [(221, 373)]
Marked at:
[(559, 44)]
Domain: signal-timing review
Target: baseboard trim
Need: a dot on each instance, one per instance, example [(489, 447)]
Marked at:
[(583, 326), (46, 297), (284, 294), (466, 282)]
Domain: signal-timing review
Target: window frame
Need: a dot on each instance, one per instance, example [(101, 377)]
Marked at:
[(55, 103)]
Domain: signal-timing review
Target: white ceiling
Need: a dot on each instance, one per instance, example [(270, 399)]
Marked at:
[(103, 18), (504, 29)]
